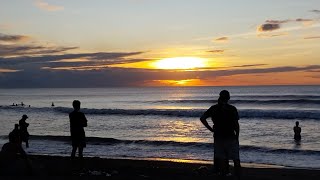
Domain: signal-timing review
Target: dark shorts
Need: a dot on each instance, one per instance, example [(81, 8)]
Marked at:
[(78, 141), (24, 136), (226, 149)]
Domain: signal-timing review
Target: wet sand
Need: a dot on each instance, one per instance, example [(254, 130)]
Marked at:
[(62, 167)]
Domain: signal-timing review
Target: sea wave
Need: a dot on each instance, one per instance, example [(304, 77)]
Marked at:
[(254, 101), (243, 113), (174, 144)]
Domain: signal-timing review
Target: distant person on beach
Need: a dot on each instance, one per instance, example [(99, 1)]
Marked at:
[(226, 133), (297, 132), (77, 123), (16, 133), (52, 105), (13, 159), (24, 134)]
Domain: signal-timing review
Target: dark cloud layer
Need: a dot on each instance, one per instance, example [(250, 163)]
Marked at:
[(92, 59), (18, 50), (123, 76), (12, 38)]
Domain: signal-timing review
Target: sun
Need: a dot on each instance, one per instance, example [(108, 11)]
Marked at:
[(180, 63)]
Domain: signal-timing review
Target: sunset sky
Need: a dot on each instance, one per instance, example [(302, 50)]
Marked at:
[(105, 43)]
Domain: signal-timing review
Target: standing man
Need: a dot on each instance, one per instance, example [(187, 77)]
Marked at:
[(24, 134), (226, 133), (77, 123)]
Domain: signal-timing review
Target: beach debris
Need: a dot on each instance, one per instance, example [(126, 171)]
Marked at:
[(87, 172), (202, 170)]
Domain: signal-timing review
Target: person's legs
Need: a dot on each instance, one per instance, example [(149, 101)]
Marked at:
[(81, 152), (234, 155), (27, 143), (73, 153), (220, 156), (224, 167), (237, 168)]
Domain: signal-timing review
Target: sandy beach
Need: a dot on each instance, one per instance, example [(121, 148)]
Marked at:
[(57, 167)]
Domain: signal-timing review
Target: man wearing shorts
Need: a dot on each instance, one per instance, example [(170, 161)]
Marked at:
[(226, 133), (77, 123)]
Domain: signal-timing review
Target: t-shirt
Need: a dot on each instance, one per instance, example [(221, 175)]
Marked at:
[(23, 125), (23, 129), (77, 121), (224, 117)]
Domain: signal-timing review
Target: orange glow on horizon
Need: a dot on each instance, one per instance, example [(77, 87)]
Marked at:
[(184, 82), (180, 63)]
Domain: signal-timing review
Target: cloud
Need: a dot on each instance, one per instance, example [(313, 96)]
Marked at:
[(268, 27), (316, 71), (216, 51), (85, 61), (304, 20), (315, 11), (47, 7), (222, 39), (277, 21), (250, 65), (109, 76), (312, 37), (271, 25), (17, 50), (272, 35), (12, 38), (26, 56), (7, 70)]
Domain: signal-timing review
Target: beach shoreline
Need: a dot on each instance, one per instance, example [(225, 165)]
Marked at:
[(125, 168)]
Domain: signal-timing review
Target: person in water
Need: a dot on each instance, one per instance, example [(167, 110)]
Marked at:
[(297, 132), (77, 123)]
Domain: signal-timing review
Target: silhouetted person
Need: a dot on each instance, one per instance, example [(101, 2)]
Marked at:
[(24, 134), (297, 132), (77, 123), (16, 133), (10, 158), (226, 133), (52, 105)]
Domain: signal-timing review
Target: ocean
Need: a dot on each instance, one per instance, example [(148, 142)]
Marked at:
[(163, 122)]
